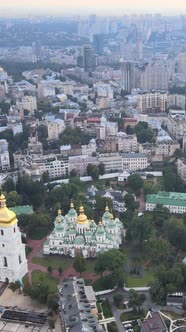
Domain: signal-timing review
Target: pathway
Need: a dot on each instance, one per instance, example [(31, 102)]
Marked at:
[(37, 245)]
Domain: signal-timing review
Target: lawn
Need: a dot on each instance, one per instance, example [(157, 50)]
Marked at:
[(39, 233), (54, 261), (136, 281), (125, 316), (60, 261), (47, 279)]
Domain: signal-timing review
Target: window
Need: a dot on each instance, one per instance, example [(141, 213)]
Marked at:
[(14, 229), (2, 233), (5, 262), (20, 260), (3, 245)]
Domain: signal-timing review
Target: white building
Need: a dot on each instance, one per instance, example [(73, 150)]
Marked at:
[(80, 163), (4, 155), (152, 101), (176, 125), (127, 143), (75, 233), (181, 169), (90, 148), (55, 127), (28, 103), (13, 263), (174, 202), (134, 161), (111, 161), (176, 100)]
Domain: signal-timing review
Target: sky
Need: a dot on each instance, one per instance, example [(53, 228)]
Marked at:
[(14, 7)]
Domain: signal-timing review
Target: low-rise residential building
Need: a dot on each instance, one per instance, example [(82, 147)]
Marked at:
[(134, 161), (111, 161), (176, 299), (90, 148), (55, 127), (166, 148), (80, 163), (27, 103), (4, 155), (174, 202), (176, 125), (127, 143)]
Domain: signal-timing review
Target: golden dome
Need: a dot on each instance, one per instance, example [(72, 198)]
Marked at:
[(100, 224), (106, 208), (82, 218), (111, 216), (59, 212), (72, 205), (7, 217), (59, 219)]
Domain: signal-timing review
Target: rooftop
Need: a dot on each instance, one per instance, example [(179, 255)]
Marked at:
[(22, 209), (154, 323), (167, 198), (133, 155)]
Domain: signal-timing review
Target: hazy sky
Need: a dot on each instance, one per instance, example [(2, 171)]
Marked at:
[(12, 7)]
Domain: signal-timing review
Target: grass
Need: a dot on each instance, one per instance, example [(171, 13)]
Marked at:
[(28, 250), (125, 316), (112, 327), (107, 309), (54, 261), (47, 279), (90, 264), (38, 234), (88, 282), (136, 281)]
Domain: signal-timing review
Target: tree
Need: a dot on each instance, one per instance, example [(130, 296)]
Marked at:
[(158, 249), (45, 177), (9, 185), (79, 263), (143, 133), (13, 199), (93, 171), (52, 301), (118, 300), (139, 230), (50, 269), (111, 260), (37, 292), (60, 270), (130, 202), (101, 167), (130, 130), (135, 182)]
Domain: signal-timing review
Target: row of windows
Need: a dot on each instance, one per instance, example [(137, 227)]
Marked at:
[(2, 232), (5, 263)]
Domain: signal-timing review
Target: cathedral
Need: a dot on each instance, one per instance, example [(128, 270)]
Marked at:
[(75, 233), (13, 262)]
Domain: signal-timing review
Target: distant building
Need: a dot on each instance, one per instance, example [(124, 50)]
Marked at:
[(134, 161), (174, 202), (127, 76), (89, 59), (181, 168), (127, 143), (152, 102), (4, 155), (176, 125)]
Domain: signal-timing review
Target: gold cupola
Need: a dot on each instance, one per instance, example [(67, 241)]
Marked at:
[(106, 208), (82, 218), (7, 217)]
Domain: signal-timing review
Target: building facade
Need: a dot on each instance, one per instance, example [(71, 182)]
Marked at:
[(134, 161), (13, 263), (174, 202), (4, 155)]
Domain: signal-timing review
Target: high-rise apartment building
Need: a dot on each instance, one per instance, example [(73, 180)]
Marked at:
[(155, 76), (89, 59), (127, 76)]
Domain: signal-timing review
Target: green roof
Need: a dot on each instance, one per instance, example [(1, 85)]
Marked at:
[(167, 198), (22, 209)]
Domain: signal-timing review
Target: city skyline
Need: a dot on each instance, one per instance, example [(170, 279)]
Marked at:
[(18, 7)]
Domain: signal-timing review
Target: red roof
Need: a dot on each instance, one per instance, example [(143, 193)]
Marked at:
[(95, 120), (70, 116), (130, 120)]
